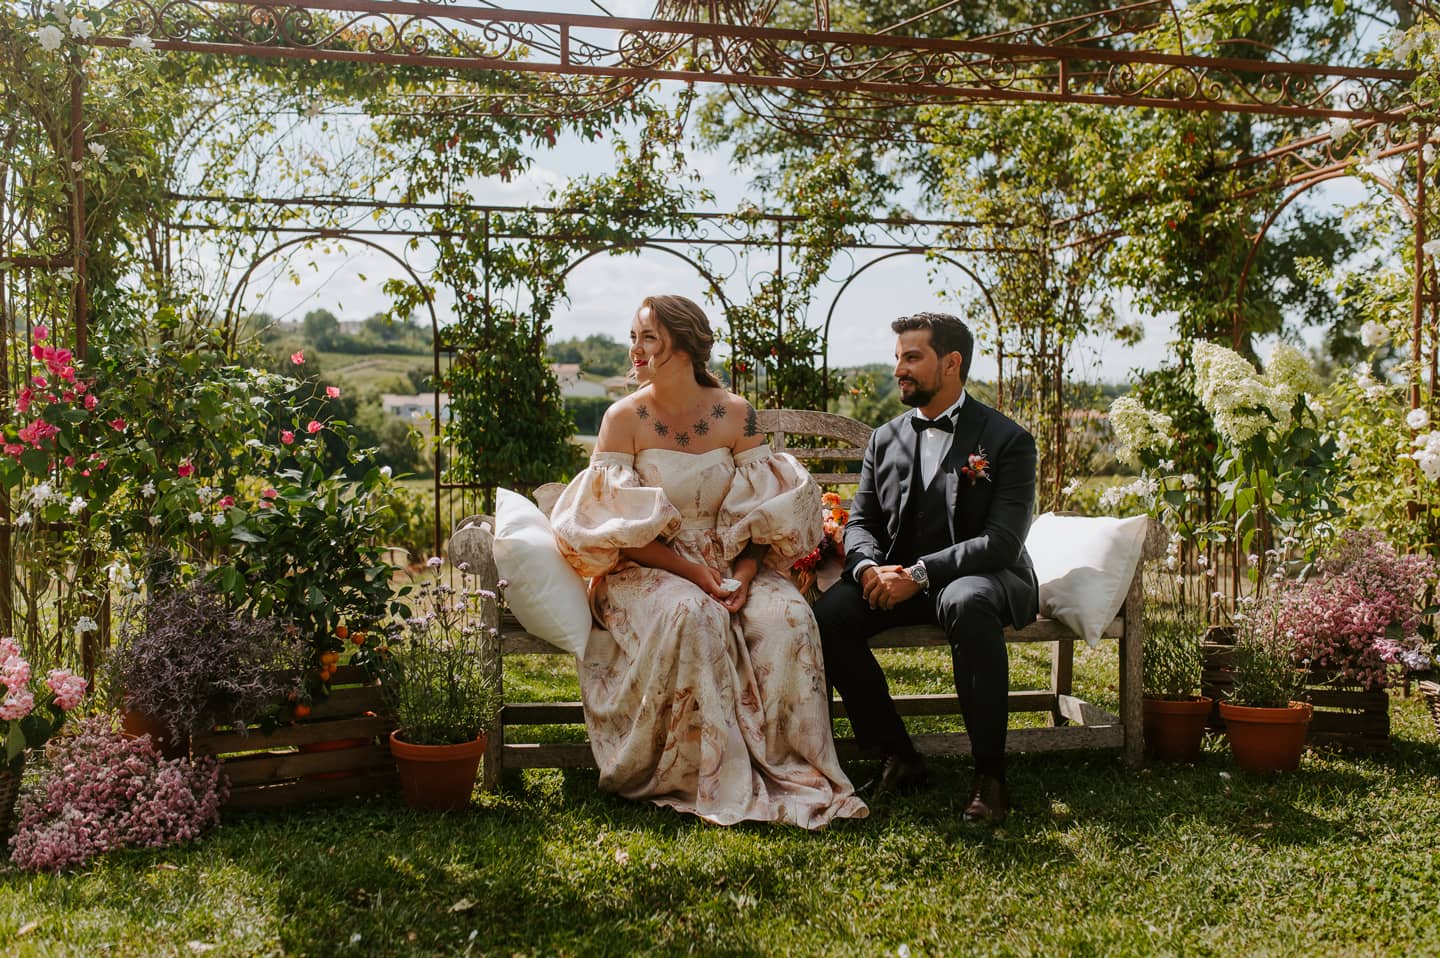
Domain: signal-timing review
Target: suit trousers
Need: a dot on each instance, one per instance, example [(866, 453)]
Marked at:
[(973, 612)]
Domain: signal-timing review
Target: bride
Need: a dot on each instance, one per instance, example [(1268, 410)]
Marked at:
[(709, 694)]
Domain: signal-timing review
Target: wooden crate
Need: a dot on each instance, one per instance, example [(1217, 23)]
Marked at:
[(279, 769), (1345, 716)]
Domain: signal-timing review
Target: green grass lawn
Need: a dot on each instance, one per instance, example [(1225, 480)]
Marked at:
[(1097, 859)]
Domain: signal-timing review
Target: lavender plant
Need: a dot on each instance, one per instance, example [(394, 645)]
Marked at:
[(437, 670), (191, 661)]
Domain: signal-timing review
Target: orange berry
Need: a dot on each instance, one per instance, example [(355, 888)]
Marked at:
[(301, 710), (341, 632), (358, 638), (328, 659)]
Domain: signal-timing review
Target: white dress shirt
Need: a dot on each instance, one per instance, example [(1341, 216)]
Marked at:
[(935, 443)]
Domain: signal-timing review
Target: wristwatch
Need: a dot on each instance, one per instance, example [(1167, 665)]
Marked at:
[(919, 576)]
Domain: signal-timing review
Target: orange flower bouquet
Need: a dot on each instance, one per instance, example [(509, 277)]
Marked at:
[(803, 572)]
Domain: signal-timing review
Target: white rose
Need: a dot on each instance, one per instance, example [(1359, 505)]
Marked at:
[(99, 149), (1374, 334), (81, 28), (1431, 248), (1339, 129), (1417, 419), (50, 37), (142, 43)]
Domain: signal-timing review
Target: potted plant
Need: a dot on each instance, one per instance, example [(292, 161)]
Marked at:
[(437, 678), (28, 717), (1174, 713), (1264, 723), (187, 661)]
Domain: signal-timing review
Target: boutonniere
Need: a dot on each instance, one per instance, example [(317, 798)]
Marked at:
[(977, 466)]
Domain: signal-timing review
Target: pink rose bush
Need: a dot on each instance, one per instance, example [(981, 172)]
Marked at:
[(31, 717), (103, 790), (1361, 616)]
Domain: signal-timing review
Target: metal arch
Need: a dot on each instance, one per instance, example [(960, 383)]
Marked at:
[(830, 314), (429, 305), (1305, 187), (704, 273), (327, 234)]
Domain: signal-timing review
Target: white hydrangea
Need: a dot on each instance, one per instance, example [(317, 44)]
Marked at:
[(1417, 419), (1373, 334), (1233, 393), (50, 37), (1289, 375), (1138, 429)]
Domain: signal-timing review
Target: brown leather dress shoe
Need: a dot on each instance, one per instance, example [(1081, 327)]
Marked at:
[(899, 775), (989, 801)]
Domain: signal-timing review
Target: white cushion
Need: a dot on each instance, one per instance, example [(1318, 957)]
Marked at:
[(546, 594), (1085, 565)]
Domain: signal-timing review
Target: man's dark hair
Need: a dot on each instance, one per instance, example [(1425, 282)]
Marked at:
[(948, 334)]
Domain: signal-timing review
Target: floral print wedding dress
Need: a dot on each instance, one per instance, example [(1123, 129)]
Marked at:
[(723, 716)]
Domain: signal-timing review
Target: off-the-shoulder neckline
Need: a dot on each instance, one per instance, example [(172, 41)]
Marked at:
[(751, 452)]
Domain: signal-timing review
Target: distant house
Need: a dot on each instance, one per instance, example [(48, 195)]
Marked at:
[(618, 387), (575, 386), (415, 407)]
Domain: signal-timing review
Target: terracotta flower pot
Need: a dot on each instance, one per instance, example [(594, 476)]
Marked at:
[(1267, 739), (170, 745), (1174, 727), (437, 777)]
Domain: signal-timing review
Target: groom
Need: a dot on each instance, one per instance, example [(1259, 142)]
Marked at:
[(936, 536)]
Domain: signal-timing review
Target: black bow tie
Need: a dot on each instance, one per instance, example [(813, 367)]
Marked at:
[(944, 424)]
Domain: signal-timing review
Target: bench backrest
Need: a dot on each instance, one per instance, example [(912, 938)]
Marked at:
[(836, 464)]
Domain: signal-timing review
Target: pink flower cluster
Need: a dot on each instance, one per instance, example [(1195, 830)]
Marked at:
[(66, 687), (104, 790), (59, 386), (1363, 612)]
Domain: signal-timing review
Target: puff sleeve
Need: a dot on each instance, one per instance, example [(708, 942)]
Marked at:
[(606, 508), (772, 501)]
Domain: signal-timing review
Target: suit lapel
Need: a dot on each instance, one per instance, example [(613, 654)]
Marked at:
[(968, 426), (905, 457)]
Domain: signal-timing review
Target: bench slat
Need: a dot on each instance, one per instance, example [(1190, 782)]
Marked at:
[(942, 703), (514, 640)]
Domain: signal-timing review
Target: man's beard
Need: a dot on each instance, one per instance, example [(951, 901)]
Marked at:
[(919, 396)]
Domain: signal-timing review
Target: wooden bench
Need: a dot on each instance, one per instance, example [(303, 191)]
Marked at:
[(1073, 722)]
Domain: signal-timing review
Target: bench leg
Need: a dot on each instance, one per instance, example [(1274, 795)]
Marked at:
[(1062, 672)]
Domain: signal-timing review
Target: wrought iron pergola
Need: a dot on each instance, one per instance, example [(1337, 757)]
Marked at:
[(1135, 54)]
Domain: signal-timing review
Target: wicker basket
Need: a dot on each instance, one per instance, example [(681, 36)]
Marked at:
[(1431, 691), (10, 778)]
